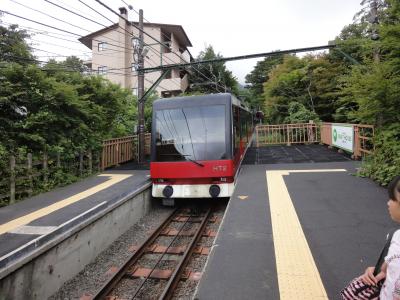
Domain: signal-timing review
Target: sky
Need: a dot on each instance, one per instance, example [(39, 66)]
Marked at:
[(232, 27)]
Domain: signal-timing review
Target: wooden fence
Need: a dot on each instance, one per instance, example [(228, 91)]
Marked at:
[(301, 133), (28, 174), (363, 138), (314, 133), (120, 150)]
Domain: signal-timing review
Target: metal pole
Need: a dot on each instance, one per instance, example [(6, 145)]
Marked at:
[(141, 90)]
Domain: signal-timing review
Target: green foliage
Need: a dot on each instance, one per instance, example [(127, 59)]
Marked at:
[(384, 165), (13, 46), (210, 78), (256, 78), (298, 113), (55, 109), (357, 82)]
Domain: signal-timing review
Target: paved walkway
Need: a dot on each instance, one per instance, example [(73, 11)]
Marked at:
[(43, 215), (296, 231)]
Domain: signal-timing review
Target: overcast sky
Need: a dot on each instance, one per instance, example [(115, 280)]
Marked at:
[(232, 27)]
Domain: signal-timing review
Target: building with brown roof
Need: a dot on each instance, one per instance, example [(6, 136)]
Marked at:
[(114, 54)]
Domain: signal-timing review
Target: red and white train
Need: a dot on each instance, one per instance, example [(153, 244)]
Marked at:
[(198, 145)]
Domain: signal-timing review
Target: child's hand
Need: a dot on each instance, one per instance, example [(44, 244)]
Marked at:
[(369, 278)]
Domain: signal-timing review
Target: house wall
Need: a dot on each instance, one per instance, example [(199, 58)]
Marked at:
[(118, 58)]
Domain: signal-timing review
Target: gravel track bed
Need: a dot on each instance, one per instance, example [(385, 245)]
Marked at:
[(181, 241), (185, 290), (206, 241), (155, 263), (152, 289), (197, 262), (93, 276), (164, 240), (126, 288), (175, 225)]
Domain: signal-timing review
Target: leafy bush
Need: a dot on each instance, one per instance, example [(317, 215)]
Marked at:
[(385, 163)]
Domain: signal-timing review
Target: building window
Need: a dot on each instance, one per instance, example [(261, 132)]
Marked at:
[(102, 46), (102, 70), (135, 92), (134, 67)]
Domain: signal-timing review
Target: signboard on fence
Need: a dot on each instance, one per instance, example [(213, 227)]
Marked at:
[(343, 137)]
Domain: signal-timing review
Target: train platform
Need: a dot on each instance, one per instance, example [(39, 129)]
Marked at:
[(29, 224), (296, 230)]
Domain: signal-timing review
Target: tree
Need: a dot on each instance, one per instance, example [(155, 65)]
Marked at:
[(372, 90), (213, 77), (256, 78), (298, 113), (13, 46)]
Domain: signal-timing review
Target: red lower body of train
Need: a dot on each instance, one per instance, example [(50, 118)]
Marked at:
[(198, 144)]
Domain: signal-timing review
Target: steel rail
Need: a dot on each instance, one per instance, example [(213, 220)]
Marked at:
[(158, 261), (113, 281), (176, 276)]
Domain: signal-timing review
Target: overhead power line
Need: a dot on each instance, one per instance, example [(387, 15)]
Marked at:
[(241, 57), (95, 11), (56, 28), (163, 34), (40, 23), (50, 16), (75, 13)]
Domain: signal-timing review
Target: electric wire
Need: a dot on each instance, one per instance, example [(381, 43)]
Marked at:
[(43, 13), (193, 67), (150, 47), (75, 13), (72, 33)]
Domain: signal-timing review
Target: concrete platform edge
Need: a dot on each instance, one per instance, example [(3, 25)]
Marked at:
[(30, 251)]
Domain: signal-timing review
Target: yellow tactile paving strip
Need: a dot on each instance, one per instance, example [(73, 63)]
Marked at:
[(298, 276), (114, 178)]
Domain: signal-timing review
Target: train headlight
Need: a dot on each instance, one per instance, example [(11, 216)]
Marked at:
[(214, 190), (168, 191)]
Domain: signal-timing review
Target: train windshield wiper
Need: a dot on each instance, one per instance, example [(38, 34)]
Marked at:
[(185, 156), (194, 161)]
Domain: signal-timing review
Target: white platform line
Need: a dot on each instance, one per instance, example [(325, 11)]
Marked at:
[(35, 230)]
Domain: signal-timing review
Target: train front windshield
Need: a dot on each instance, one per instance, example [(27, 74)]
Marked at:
[(190, 133)]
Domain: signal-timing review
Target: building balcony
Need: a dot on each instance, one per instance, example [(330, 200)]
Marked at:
[(175, 58), (175, 84)]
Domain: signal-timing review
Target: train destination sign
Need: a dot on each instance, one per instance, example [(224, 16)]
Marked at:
[(343, 137)]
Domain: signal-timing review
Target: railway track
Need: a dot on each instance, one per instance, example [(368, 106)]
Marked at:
[(158, 265)]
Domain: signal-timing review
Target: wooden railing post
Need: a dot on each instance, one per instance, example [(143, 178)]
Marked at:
[(45, 168), (257, 141), (90, 161), (80, 163), (12, 179), (288, 135), (30, 177), (357, 151), (58, 160)]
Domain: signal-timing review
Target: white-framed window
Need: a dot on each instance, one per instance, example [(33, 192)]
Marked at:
[(102, 70), (102, 46)]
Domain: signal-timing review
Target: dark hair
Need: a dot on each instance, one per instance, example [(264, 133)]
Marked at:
[(393, 187)]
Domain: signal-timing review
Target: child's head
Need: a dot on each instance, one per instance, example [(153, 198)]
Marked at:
[(394, 189)]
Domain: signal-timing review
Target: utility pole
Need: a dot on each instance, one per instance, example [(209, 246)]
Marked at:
[(375, 22), (141, 90)]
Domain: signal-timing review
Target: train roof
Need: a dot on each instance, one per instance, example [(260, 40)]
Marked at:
[(209, 99)]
